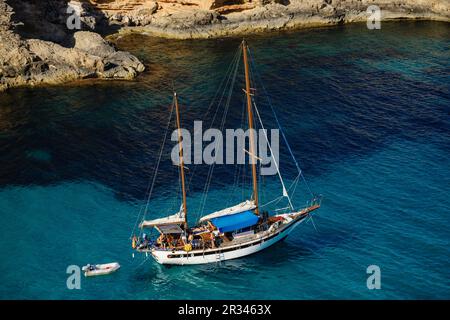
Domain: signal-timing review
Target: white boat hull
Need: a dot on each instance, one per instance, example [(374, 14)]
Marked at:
[(101, 269), (227, 253)]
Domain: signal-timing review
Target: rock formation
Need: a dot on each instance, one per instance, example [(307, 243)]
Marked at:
[(38, 43), (85, 54), (213, 18)]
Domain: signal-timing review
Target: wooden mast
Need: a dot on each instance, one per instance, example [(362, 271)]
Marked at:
[(183, 188), (250, 126)]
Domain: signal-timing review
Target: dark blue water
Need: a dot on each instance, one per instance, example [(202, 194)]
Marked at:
[(367, 115)]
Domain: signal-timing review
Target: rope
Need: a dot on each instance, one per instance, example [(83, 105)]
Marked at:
[(143, 261), (276, 199), (279, 125), (285, 192), (227, 76), (232, 77), (155, 171), (237, 171)]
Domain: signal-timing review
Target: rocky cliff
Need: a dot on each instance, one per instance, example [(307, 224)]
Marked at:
[(53, 41), (215, 18), (25, 60)]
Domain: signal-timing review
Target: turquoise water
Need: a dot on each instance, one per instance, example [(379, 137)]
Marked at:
[(366, 112)]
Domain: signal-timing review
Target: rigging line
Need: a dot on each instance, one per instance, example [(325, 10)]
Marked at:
[(261, 178), (230, 75), (242, 169), (211, 167), (312, 221), (285, 192), (143, 261), (236, 175), (218, 144), (237, 178), (230, 199), (159, 158), (180, 194), (296, 185), (238, 167), (294, 182), (227, 105), (226, 77), (279, 199), (237, 171), (276, 199), (155, 171), (279, 124)]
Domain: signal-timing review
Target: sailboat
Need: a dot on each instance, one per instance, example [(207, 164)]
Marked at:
[(230, 233)]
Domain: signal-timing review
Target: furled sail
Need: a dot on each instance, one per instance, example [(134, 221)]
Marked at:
[(243, 206), (177, 218)]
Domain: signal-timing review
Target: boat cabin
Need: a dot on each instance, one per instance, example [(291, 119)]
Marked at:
[(211, 233)]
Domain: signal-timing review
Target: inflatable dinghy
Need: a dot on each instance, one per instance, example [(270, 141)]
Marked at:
[(100, 269)]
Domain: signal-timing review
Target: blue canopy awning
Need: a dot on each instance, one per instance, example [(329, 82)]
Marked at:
[(235, 221)]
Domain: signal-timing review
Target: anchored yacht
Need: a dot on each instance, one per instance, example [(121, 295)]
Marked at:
[(230, 233)]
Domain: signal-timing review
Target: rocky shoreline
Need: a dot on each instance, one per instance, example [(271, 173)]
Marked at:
[(30, 61), (201, 24), (37, 47)]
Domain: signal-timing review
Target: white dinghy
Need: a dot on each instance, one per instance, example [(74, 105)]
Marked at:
[(100, 269)]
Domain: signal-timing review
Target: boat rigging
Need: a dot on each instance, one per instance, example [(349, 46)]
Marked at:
[(234, 231)]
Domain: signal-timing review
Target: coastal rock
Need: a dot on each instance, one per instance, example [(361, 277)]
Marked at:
[(57, 55), (214, 18), (119, 64), (266, 2), (126, 12), (327, 9), (53, 20), (88, 17), (92, 43), (186, 19), (183, 20), (122, 65), (36, 45), (35, 61), (142, 15)]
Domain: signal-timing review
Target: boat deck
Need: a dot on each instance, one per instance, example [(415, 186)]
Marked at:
[(226, 243)]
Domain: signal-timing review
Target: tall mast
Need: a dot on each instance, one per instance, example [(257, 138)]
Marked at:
[(183, 188), (250, 126)]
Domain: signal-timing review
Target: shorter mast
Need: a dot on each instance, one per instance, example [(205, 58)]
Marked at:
[(250, 126), (183, 188)]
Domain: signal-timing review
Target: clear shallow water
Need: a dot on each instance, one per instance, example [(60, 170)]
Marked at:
[(367, 114)]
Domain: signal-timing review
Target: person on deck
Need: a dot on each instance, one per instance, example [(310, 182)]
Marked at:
[(213, 240), (161, 241), (211, 227)]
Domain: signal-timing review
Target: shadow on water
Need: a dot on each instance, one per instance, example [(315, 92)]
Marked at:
[(366, 113), (47, 20), (280, 255), (335, 103)]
